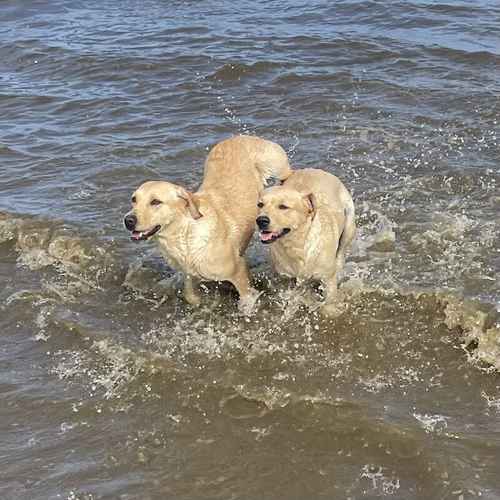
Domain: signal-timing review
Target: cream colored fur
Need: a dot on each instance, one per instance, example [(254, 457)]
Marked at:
[(318, 211), (205, 234)]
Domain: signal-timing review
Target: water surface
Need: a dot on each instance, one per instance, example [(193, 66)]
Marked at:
[(112, 387)]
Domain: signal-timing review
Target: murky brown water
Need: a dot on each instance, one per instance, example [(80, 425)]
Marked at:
[(112, 387)]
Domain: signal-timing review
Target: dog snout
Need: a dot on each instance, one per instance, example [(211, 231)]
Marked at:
[(130, 221), (263, 221)]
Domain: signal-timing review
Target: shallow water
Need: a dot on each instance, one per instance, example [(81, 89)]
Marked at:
[(112, 387)]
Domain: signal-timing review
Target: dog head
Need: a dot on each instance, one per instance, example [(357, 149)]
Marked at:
[(283, 210), (155, 205)]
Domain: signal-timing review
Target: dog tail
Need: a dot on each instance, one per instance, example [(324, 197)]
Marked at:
[(271, 162)]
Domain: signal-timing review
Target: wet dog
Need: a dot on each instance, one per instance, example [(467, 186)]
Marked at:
[(308, 222), (205, 234)]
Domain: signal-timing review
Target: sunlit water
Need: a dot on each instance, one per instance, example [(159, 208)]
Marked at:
[(113, 387)]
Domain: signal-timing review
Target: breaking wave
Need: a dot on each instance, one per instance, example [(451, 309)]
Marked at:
[(127, 325)]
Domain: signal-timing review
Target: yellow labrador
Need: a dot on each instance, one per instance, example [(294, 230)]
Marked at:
[(308, 222), (205, 234)]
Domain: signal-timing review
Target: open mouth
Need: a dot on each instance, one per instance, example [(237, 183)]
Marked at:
[(144, 235), (270, 236)]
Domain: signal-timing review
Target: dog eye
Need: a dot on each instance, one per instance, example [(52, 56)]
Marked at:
[(156, 202), (134, 199), (283, 207), (260, 204)]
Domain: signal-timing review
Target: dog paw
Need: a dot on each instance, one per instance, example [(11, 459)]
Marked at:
[(247, 304)]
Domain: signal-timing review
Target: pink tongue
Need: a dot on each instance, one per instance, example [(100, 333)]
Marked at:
[(266, 236), (136, 235)]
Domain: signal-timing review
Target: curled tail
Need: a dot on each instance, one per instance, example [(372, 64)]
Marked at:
[(268, 158), (271, 161)]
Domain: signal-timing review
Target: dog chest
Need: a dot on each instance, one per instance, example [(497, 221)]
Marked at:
[(309, 261)]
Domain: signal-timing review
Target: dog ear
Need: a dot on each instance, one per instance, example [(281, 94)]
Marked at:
[(311, 203), (191, 204)]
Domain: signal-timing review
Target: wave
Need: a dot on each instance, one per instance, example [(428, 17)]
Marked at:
[(40, 243), (164, 327), (298, 350), (471, 57), (237, 70)]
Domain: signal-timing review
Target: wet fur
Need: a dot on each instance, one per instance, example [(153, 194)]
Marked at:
[(205, 234), (320, 216)]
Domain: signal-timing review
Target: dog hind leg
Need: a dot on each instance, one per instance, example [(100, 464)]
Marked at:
[(346, 237), (348, 233)]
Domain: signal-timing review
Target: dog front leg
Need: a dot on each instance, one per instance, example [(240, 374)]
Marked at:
[(248, 294), (191, 294), (330, 287), (332, 306)]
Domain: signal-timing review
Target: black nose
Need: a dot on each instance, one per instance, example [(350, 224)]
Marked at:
[(130, 222), (263, 221)]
